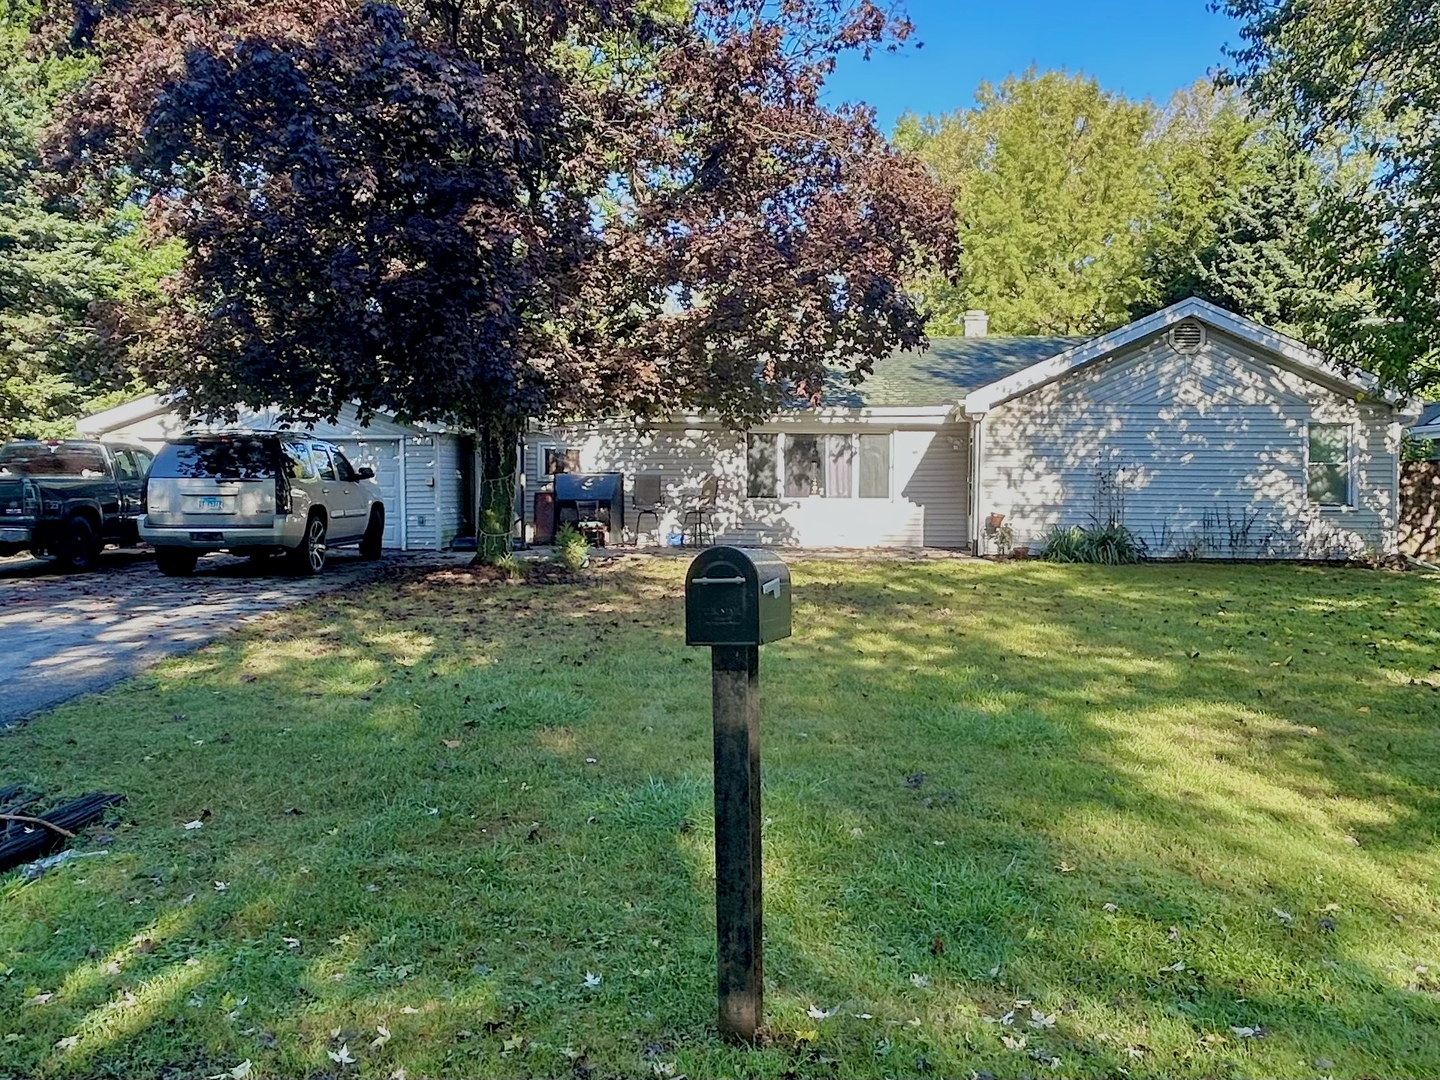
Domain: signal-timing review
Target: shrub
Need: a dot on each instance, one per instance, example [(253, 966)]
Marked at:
[(508, 565), (572, 550), (1110, 545)]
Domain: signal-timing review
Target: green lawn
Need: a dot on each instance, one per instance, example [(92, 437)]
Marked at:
[(1173, 821)]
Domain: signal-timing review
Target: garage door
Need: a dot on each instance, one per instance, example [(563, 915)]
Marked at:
[(382, 455)]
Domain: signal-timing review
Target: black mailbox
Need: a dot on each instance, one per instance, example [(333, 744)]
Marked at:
[(736, 596)]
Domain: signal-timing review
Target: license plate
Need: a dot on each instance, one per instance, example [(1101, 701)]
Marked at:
[(211, 504), (208, 537)]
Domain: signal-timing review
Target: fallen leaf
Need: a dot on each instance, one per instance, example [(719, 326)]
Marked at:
[(196, 824), (41, 999), (291, 942), (1039, 1020), (409, 1010), (69, 1042), (591, 980), (919, 980), (817, 1013), (382, 1038), (341, 1056), (221, 886), (1111, 908), (241, 1071), (451, 744), (1283, 916)]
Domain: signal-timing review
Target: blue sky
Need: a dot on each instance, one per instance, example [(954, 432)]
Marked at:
[(1143, 48)]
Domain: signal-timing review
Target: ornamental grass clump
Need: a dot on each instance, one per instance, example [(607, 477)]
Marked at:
[(572, 550), (1108, 545)]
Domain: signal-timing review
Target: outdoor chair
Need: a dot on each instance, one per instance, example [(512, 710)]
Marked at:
[(649, 499), (702, 513)]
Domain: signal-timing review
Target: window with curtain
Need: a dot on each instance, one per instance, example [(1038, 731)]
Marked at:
[(1329, 464), (874, 466), (761, 462), (804, 466), (839, 466)]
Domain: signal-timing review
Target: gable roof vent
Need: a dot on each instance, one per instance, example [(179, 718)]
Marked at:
[(1187, 336)]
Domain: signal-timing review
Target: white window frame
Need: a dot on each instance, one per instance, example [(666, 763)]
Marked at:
[(782, 439), (1349, 503)]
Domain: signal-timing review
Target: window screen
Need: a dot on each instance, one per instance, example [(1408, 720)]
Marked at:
[(804, 466), (1329, 466), (839, 466), (875, 466), (760, 457), (561, 461)]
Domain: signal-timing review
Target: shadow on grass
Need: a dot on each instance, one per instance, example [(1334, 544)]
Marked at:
[(1150, 807)]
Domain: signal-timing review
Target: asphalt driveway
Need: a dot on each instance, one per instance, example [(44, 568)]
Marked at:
[(66, 635)]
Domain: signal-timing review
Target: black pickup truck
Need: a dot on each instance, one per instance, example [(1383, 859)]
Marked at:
[(70, 498)]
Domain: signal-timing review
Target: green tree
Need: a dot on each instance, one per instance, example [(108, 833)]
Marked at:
[(510, 209), (1363, 76), (1235, 214), (64, 280), (1054, 181)]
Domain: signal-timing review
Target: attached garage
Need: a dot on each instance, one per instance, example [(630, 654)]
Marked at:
[(425, 472)]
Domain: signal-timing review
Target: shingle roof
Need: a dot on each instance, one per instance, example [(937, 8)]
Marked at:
[(946, 372), (1429, 414)]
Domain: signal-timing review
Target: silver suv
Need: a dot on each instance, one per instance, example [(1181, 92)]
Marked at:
[(258, 494)]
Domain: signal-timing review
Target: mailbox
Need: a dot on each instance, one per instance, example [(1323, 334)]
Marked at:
[(736, 596)]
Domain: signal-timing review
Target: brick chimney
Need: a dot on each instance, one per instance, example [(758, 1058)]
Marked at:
[(977, 324)]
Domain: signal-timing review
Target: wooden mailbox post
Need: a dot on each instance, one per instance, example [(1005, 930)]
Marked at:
[(735, 601)]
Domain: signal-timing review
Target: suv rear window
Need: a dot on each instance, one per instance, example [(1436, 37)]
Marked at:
[(41, 459), (230, 457)]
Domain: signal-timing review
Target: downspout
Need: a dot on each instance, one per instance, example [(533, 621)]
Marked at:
[(977, 472)]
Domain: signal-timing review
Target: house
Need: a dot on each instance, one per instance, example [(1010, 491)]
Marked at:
[(1206, 433), (426, 472), (1427, 427)]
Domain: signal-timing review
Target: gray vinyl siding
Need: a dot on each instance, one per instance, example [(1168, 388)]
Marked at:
[(1200, 455), (422, 513), (448, 494), (928, 491)]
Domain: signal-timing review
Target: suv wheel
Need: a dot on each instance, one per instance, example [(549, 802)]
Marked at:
[(374, 536), (309, 557), (79, 545), (175, 561)]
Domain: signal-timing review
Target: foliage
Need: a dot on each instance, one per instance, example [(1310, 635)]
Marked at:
[(1363, 77), (61, 277), (512, 209), (1413, 449), (1158, 802), (1081, 210), (1237, 209), (1112, 544), (1054, 181), (572, 550)]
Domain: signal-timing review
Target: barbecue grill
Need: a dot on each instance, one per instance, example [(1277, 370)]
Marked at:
[(591, 497)]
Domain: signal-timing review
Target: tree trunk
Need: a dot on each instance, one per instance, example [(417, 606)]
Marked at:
[(498, 460)]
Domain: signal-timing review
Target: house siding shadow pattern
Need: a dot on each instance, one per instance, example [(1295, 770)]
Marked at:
[(929, 483), (1200, 454)]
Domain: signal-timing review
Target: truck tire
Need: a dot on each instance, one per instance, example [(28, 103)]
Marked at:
[(309, 557), (175, 561), (370, 543), (79, 544)]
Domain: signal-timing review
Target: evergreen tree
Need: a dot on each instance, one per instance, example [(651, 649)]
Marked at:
[(1054, 181), (63, 279)]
